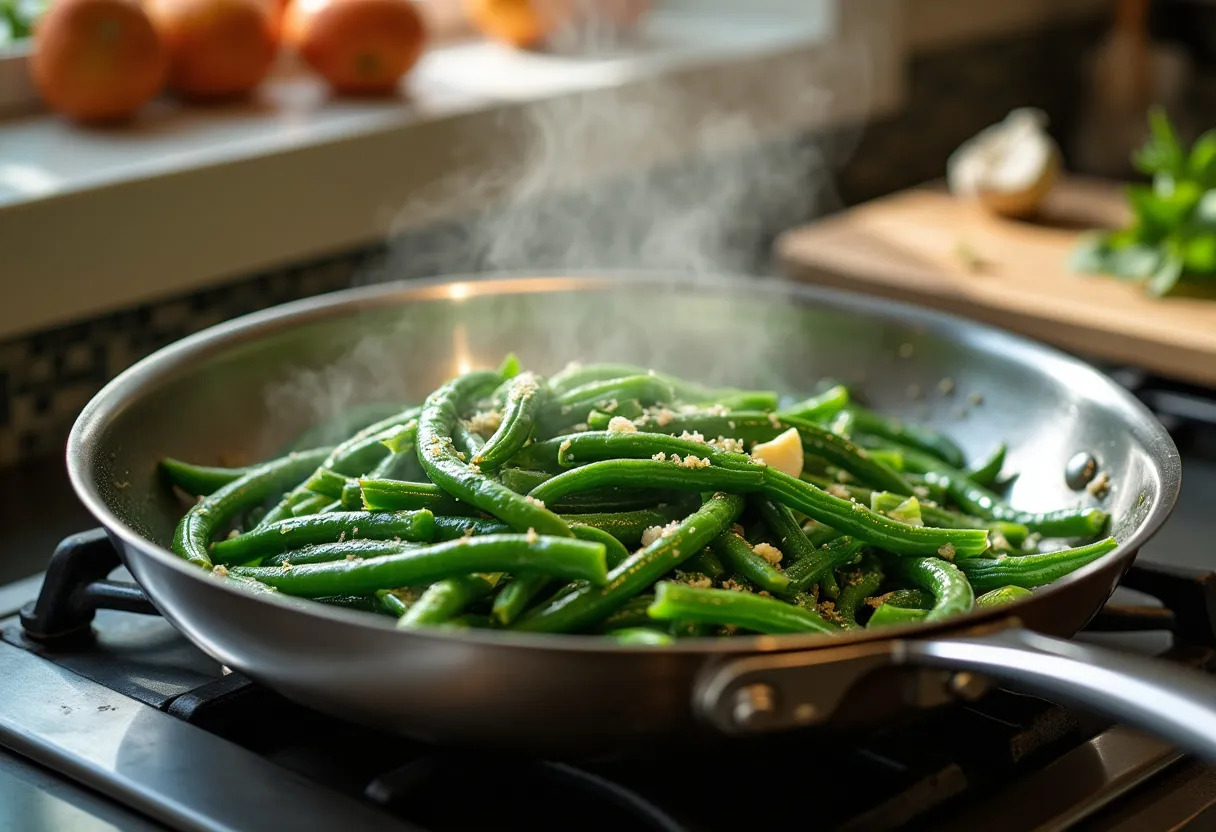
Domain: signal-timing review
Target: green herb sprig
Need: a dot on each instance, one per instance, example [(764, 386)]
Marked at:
[(1172, 238)]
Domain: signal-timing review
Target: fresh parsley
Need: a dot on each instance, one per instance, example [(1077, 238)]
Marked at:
[(1172, 237)]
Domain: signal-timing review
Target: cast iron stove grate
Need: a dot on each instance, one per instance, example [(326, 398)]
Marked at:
[(949, 768)]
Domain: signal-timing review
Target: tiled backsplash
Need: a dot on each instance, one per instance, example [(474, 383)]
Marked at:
[(46, 378)]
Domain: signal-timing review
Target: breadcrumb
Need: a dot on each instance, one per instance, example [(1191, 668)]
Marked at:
[(733, 585), (693, 579), (653, 533), (534, 501), (695, 436), (485, 422), (286, 565), (220, 569), (691, 461), (353, 556), (774, 420), (717, 410), (619, 424), (769, 552), (1100, 486), (728, 444), (660, 457), (532, 536), (946, 550), (662, 416)]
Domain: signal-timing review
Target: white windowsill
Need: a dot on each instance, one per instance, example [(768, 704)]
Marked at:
[(92, 221)]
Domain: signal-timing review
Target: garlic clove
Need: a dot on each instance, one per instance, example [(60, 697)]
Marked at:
[(1009, 167)]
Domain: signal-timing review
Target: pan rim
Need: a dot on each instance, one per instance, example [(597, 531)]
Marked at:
[(118, 393)]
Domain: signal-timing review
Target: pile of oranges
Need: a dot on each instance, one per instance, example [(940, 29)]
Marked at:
[(101, 60)]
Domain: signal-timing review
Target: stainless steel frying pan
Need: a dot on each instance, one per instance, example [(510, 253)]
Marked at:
[(239, 390)]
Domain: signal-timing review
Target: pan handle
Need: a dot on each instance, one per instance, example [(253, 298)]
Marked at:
[(787, 690)]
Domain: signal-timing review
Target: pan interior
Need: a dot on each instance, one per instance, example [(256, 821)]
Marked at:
[(241, 394)]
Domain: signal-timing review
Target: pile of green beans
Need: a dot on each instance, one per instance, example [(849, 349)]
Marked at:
[(612, 499)]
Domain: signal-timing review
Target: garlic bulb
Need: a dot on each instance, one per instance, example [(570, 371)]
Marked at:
[(1008, 167)]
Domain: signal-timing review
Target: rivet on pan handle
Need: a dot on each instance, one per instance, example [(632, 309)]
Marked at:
[(781, 691)]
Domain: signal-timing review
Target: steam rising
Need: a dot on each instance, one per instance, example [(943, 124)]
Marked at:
[(692, 173)]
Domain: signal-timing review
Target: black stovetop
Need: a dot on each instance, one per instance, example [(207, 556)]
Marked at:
[(162, 735)]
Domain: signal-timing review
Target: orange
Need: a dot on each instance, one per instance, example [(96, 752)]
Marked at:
[(358, 46), (527, 23), (97, 60), (217, 48)]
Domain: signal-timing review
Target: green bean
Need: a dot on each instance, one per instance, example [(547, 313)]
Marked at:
[(562, 557), (1078, 522), (296, 532), (922, 439), (575, 404), (706, 563), (392, 495), (856, 520), (977, 500), (615, 552), (346, 550), (448, 471), (952, 594), (588, 605), (890, 615), (817, 534), (510, 603), (454, 528), (817, 408), (645, 636), (1029, 571), (761, 427), (817, 567), (465, 440), (509, 368), (352, 496), (199, 479), (682, 389), (738, 556), (914, 598), (987, 471), (524, 398), (828, 587), (351, 458), (1002, 595), (326, 483), (631, 614), (195, 530), (446, 599), (789, 535), (391, 603), (858, 584), (628, 526), (626, 409), (646, 472), (402, 461), (515, 597), (598, 500), (363, 603), (593, 446), (310, 505), (1013, 533), (673, 602)]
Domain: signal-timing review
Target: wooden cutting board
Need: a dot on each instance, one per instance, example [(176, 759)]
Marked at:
[(928, 248)]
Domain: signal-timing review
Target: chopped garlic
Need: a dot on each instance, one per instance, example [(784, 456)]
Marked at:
[(619, 424), (769, 552), (783, 453)]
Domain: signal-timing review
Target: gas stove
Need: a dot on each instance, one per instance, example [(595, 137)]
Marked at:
[(112, 719)]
